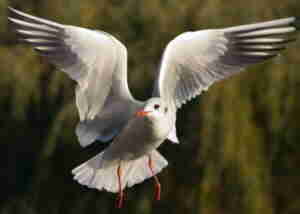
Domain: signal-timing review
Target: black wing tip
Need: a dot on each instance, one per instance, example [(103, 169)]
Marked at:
[(13, 14), (11, 24), (9, 8), (12, 11), (15, 11), (22, 16), (296, 23), (258, 49), (289, 40)]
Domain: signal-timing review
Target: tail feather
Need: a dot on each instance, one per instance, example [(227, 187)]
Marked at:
[(95, 174), (141, 169)]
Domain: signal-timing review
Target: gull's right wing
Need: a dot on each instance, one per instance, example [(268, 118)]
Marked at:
[(95, 60)]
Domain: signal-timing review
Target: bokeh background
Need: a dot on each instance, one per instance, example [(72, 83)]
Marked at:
[(239, 151)]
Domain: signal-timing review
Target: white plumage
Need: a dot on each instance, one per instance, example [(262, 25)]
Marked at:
[(97, 61)]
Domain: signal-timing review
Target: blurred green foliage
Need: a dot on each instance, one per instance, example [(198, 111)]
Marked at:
[(239, 149)]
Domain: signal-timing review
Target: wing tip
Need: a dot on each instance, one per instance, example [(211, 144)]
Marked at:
[(296, 23), (14, 12), (25, 17), (11, 9)]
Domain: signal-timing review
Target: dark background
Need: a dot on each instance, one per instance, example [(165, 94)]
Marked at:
[(239, 149)]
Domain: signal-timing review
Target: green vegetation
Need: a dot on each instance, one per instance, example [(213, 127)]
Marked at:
[(239, 151)]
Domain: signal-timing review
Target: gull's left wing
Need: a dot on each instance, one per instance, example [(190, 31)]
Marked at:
[(195, 60)]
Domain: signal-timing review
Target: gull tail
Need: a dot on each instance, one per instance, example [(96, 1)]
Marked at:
[(97, 173)]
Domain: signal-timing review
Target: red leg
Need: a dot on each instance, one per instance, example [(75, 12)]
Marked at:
[(121, 194), (157, 184)]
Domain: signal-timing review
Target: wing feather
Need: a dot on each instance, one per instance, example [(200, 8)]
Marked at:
[(95, 60), (195, 60)]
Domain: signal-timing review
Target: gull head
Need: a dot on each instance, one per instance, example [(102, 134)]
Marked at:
[(154, 108)]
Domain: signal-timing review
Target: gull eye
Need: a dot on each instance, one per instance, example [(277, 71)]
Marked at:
[(156, 106), (166, 110)]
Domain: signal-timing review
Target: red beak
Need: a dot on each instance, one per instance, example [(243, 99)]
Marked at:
[(142, 113)]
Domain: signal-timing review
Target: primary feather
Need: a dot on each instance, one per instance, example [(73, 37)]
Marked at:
[(95, 60), (195, 60)]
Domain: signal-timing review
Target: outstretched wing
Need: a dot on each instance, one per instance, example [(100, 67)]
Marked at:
[(195, 60), (95, 60)]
